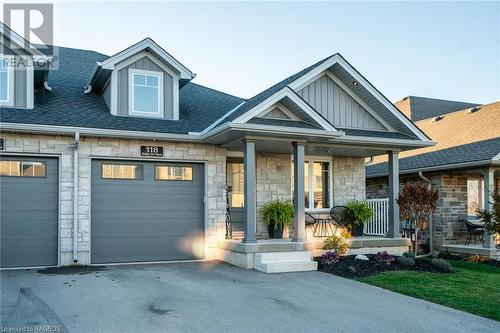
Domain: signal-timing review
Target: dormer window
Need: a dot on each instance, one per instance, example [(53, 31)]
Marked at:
[(145, 93), (6, 83)]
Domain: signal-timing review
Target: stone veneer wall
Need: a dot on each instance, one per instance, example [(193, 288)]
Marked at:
[(274, 181), (117, 148), (348, 179), (451, 206)]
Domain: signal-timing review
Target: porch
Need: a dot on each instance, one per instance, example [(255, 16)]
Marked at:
[(261, 176)]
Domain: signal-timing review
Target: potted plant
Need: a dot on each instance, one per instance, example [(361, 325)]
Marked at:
[(359, 213), (276, 214)]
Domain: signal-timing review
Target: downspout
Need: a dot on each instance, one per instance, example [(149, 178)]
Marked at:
[(75, 197), (427, 180)]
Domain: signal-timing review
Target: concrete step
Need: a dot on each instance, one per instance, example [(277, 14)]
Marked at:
[(290, 266), (288, 261), (284, 256)]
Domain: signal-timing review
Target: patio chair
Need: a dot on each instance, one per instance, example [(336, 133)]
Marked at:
[(473, 230), (310, 221), (322, 227), (337, 213)]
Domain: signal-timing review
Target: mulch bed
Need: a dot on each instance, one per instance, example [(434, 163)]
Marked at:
[(351, 268)]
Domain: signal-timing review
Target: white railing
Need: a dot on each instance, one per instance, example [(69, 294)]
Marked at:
[(379, 225)]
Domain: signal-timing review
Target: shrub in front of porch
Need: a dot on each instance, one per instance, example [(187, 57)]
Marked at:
[(336, 243), (359, 213), (276, 215)]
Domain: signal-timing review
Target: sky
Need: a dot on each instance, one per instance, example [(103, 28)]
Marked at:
[(447, 50)]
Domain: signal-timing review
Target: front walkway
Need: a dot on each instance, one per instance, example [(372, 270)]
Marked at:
[(217, 297)]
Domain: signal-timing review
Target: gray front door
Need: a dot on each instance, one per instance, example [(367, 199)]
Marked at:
[(146, 211), (28, 211)]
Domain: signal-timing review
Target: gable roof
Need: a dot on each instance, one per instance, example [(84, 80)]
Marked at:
[(68, 105), (346, 72), (418, 108), (475, 130)]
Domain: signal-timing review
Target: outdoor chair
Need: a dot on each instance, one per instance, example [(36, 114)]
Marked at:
[(310, 221), (337, 213), (473, 230)]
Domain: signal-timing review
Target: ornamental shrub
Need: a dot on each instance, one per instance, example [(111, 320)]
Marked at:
[(330, 257), (443, 265), (335, 243), (384, 257), (406, 261)]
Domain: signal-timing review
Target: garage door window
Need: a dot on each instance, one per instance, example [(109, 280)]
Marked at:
[(168, 172), (22, 169), (121, 171)]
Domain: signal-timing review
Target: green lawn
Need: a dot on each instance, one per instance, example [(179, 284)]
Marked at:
[(473, 287)]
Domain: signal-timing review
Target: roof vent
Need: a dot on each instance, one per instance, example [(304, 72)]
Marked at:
[(438, 118), (474, 109)]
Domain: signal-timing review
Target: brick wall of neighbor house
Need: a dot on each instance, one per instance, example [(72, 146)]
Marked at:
[(274, 181), (117, 148), (348, 179), (451, 206)]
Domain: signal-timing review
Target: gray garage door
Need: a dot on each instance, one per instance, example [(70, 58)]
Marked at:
[(29, 211), (146, 211)]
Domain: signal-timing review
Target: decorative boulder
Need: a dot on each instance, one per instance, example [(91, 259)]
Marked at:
[(361, 257)]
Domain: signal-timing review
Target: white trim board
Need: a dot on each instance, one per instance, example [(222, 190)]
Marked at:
[(110, 63), (278, 96)]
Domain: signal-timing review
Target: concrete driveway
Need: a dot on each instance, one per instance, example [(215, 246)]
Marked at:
[(214, 297)]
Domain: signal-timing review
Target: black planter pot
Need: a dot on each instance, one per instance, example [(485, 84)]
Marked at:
[(357, 230), (274, 233)]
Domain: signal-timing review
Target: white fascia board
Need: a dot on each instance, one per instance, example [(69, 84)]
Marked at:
[(101, 132), (21, 42), (336, 58), (142, 45), (441, 167), (497, 157), (277, 97), (399, 142), (271, 129)]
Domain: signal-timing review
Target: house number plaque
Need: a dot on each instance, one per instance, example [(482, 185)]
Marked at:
[(152, 151)]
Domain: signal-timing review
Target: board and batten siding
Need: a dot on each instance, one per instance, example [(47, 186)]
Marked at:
[(123, 85), (329, 99)]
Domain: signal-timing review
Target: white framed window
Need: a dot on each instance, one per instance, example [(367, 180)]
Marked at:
[(6, 82), (317, 183), (145, 93)]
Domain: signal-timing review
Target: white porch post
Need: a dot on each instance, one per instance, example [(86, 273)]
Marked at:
[(489, 181), (250, 218), (299, 227), (393, 231)]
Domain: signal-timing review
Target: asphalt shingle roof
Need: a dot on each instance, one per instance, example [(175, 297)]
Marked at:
[(477, 151), (419, 108), (67, 105)]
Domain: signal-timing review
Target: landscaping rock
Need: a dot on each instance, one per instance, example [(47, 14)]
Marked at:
[(361, 257)]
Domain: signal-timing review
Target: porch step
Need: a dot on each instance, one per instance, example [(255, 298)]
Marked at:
[(280, 262)]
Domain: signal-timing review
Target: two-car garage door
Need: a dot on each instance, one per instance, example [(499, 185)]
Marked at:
[(146, 211)]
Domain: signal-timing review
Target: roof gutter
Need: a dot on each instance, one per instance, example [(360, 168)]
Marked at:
[(95, 71), (102, 132)]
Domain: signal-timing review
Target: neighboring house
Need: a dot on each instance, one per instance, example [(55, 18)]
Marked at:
[(464, 165), (113, 159), (419, 108)]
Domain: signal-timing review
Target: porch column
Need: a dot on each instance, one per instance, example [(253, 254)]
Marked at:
[(393, 231), (250, 218), (489, 182), (299, 226)]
